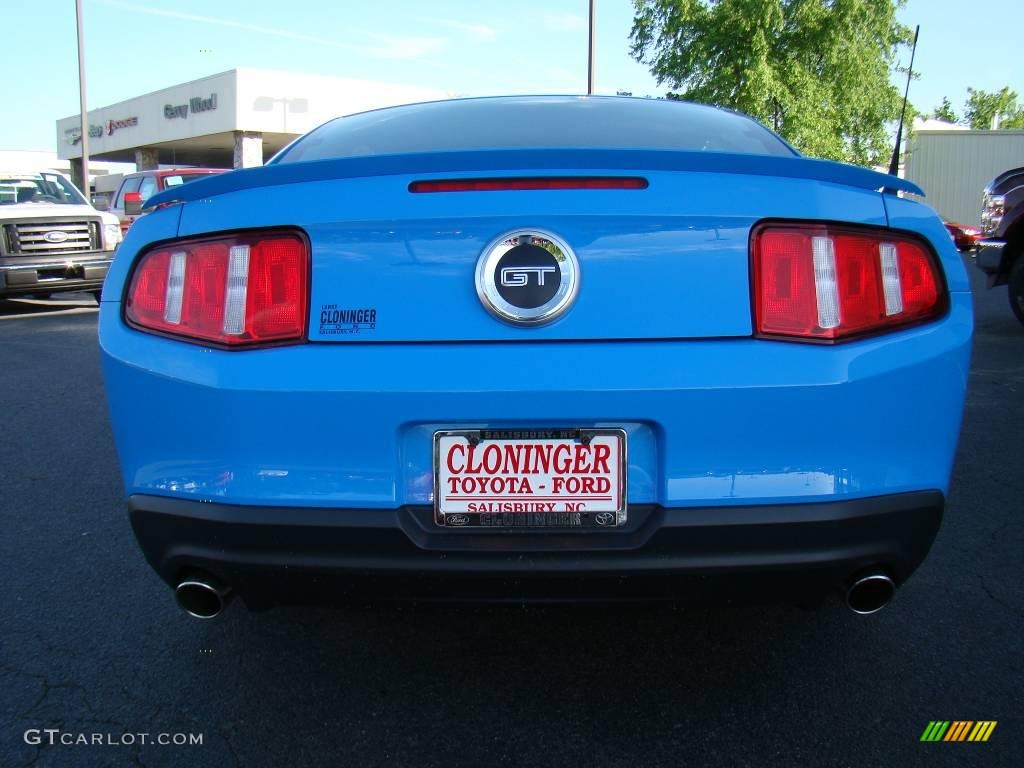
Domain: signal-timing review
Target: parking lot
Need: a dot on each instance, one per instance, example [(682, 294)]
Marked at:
[(92, 641)]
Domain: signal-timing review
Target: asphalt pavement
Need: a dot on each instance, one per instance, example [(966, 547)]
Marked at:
[(92, 643)]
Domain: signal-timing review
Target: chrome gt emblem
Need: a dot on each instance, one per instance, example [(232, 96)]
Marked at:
[(521, 275), (56, 237), (605, 518), (527, 277)]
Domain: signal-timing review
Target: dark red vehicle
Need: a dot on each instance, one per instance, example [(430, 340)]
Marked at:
[(965, 237), (138, 187)]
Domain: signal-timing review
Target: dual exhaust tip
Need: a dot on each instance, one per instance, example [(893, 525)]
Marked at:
[(870, 594), (202, 597)]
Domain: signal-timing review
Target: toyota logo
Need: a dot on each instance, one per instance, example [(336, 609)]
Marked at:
[(56, 237), (527, 277), (605, 518)]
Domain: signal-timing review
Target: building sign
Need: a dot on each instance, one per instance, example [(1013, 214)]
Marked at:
[(73, 136), (128, 122), (195, 104)]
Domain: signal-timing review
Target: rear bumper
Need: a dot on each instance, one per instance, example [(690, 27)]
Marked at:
[(715, 422), (272, 555), (73, 272)]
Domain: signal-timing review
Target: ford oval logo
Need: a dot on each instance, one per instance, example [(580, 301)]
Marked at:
[(457, 519), (55, 237)]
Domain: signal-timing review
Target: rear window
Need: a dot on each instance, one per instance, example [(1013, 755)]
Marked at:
[(185, 178), (130, 184), (549, 122), (147, 188)]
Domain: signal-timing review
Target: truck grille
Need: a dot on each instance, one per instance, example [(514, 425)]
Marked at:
[(30, 238)]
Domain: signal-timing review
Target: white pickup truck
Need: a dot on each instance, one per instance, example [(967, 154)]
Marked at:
[(51, 238)]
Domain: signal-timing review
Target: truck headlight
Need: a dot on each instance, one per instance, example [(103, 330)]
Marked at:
[(992, 207), (111, 236)]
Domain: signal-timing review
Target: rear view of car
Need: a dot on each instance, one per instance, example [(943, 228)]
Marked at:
[(537, 347)]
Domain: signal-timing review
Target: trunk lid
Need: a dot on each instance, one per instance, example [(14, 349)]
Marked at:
[(669, 261)]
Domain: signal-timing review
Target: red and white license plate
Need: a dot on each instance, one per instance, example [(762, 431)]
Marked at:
[(530, 478)]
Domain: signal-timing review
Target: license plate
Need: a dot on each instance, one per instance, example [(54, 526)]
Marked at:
[(530, 478)]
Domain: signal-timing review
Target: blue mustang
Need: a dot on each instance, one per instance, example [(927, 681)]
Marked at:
[(537, 347)]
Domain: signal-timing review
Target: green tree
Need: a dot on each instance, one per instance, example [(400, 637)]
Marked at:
[(983, 106), (817, 71), (945, 112)]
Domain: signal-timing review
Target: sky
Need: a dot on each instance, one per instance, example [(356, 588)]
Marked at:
[(463, 47)]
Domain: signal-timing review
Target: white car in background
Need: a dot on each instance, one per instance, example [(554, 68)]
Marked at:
[(51, 238)]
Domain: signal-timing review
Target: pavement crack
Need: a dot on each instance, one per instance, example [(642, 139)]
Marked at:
[(997, 534), (991, 595), (48, 688), (34, 760), (231, 747)]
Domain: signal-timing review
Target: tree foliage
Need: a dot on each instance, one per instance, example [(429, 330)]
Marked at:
[(945, 112), (983, 106), (817, 71)]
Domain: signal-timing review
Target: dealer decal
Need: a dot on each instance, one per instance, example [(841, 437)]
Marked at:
[(335, 320)]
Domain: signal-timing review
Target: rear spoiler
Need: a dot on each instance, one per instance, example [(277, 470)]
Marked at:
[(532, 161)]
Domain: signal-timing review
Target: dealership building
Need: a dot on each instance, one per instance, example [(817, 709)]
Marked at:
[(234, 119)]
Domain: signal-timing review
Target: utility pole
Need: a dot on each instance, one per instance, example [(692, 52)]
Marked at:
[(81, 99), (590, 52)]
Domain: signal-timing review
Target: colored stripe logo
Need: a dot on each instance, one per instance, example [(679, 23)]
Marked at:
[(958, 730)]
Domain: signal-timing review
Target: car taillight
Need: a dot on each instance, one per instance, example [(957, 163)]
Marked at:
[(236, 290), (828, 283)]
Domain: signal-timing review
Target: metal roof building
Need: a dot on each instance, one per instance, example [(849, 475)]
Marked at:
[(953, 166)]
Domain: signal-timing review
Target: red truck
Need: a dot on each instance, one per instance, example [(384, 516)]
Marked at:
[(138, 187)]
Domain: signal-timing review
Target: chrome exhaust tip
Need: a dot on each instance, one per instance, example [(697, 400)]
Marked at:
[(202, 598), (870, 594)]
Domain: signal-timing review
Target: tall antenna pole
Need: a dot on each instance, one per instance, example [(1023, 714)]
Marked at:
[(590, 52), (81, 100), (894, 164)]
